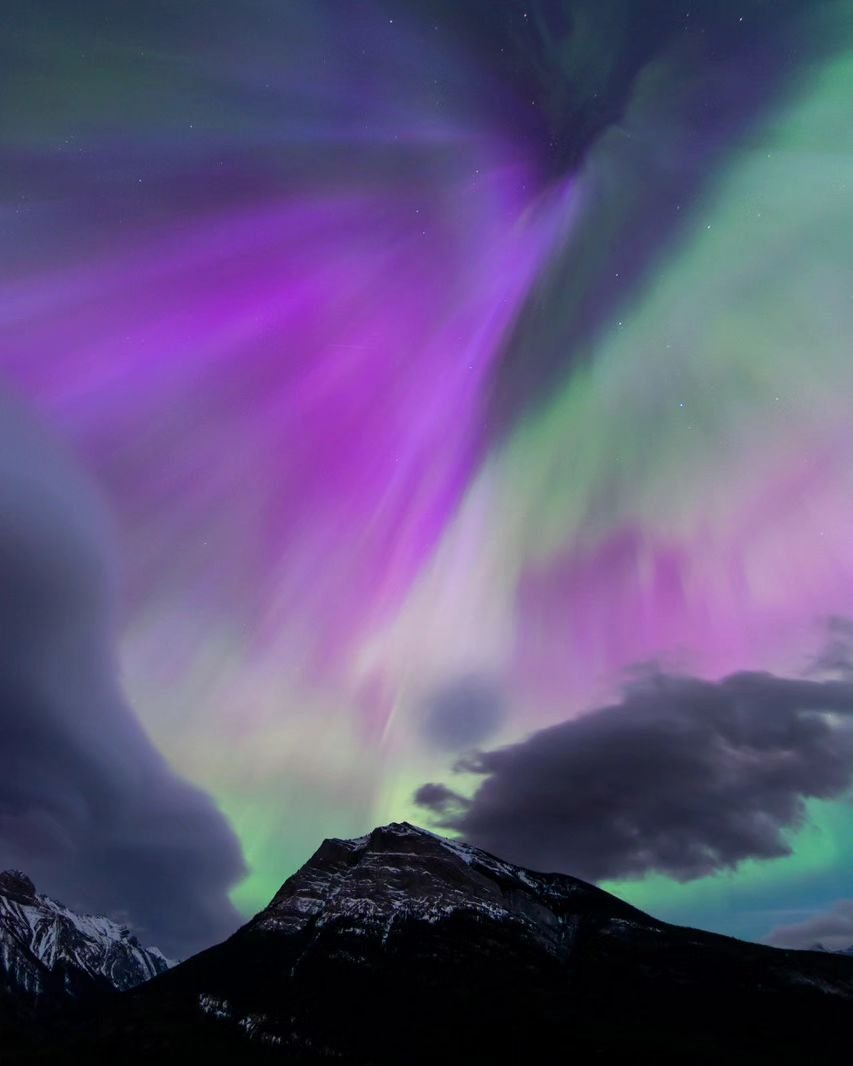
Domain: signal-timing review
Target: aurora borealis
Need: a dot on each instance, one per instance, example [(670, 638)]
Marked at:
[(437, 364)]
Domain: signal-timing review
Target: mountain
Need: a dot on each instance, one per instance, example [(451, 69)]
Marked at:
[(836, 951), (49, 953), (403, 948)]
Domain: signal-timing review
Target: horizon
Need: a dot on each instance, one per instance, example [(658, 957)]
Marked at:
[(364, 842)]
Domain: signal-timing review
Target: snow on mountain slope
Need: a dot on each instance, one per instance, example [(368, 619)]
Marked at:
[(404, 947), (20, 971), (401, 872), (44, 944)]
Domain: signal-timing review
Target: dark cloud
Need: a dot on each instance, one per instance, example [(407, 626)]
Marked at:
[(683, 776), (88, 807), (438, 798), (836, 655), (464, 712), (831, 929)]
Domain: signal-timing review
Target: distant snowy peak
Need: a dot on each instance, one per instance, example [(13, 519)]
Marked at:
[(45, 946), (832, 951), (400, 872)]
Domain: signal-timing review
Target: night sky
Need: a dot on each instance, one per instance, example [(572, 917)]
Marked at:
[(434, 410)]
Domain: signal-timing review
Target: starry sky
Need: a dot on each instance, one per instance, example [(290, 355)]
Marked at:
[(432, 410)]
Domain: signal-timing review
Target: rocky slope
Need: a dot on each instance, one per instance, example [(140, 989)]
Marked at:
[(404, 948), (48, 952)]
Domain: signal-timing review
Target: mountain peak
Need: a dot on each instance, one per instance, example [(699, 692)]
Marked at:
[(404, 829), (16, 883), (392, 829), (393, 833), (48, 951), (401, 872)]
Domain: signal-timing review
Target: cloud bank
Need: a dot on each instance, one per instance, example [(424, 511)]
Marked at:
[(683, 777), (88, 806)]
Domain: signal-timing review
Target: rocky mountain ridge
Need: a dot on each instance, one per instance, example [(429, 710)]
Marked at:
[(49, 952), (401, 946), (400, 873)]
